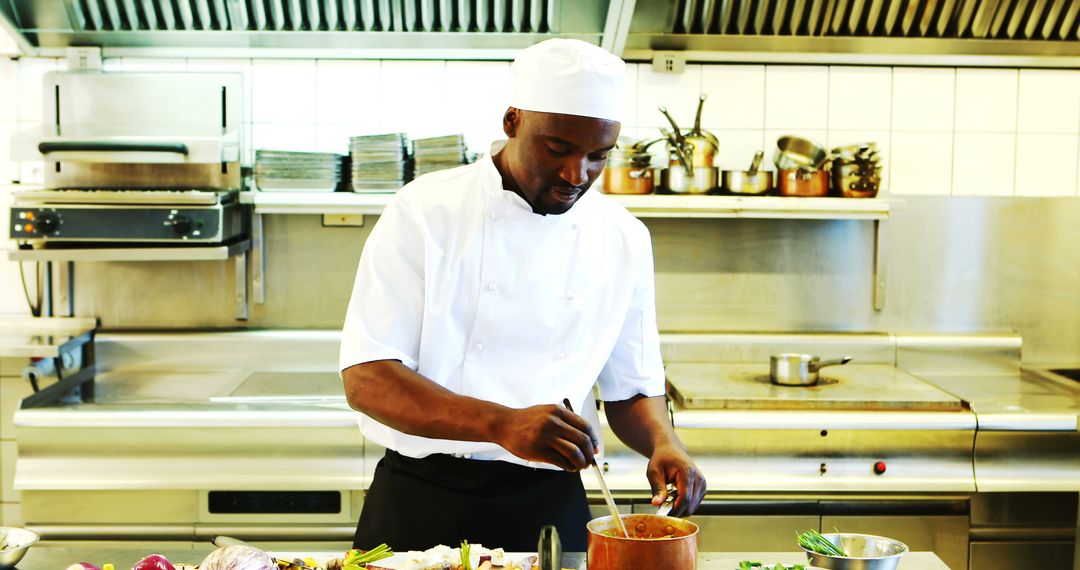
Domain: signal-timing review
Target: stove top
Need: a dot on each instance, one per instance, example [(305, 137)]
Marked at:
[(737, 386)]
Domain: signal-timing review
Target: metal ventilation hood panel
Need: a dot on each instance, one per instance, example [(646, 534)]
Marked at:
[(943, 32), (1037, 33), (443, 29)]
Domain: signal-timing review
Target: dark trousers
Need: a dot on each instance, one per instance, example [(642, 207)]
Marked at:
[(415, 504)]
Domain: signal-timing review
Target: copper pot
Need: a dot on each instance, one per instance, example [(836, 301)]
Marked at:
[(629, 180), (608, 551), (799, 182)]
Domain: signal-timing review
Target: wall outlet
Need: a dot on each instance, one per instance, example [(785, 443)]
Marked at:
[(343, 220), (669, 62), (83, 58)]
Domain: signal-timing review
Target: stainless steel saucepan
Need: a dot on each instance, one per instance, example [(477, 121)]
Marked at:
[(795, 369)]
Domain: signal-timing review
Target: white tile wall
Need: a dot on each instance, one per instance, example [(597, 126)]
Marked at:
[(984, 164), (1046, 165), (1049, 101), (298, 136), (860, 98), (986, 100), (923, 99), (283, 91), (348, 92), (736, 96), (630, 109), (796, 97), (677, 91), (477, 92), (737, 148), (413, 98), (931, 123), (921, 163)]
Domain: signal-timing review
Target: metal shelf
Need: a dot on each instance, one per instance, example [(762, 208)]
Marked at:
[(651, 206), (188, 253), (875, 210), (67, 256)]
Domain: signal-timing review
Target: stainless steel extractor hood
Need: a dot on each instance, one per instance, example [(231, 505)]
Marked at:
[(1037, 33), (450, 29), (1041, 33)]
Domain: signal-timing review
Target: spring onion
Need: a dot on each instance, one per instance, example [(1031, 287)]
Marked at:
[(359, 559), (465, 559), (813, 541)]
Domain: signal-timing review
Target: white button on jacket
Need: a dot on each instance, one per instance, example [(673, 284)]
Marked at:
[(447, 236)]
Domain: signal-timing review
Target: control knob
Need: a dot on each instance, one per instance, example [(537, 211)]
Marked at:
[(48, 222), (182, 225)]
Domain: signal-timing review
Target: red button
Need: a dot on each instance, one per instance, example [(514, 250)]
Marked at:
[(879, 467)]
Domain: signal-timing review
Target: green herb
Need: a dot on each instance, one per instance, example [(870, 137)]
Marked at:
[(813, 541), (358, 559), (465, 555), (754, 565)]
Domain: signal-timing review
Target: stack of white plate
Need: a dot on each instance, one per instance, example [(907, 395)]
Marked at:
[(439, 153), (380, 163), (287, 171)]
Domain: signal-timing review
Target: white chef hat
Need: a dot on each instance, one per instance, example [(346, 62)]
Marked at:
[(569, 77)]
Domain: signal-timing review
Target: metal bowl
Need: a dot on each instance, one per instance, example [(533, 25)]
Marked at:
[(866, 552), (22, 539)]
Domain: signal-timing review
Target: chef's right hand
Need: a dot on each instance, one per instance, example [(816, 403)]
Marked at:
[(549, 433)]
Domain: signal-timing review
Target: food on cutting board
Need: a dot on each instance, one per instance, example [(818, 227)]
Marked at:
[(154, 562), (466, 557), (237, 557), (751, 565)]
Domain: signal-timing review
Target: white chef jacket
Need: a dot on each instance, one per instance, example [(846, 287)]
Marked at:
[(462, 282)]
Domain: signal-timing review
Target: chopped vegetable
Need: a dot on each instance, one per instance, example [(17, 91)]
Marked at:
[(465, 563), (813, 541), (357, 559), (238, 557), (753, 565), (153, 562)]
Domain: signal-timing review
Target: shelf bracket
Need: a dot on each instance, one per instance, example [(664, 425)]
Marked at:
[(879, 265), (258, 260), (241, 274)]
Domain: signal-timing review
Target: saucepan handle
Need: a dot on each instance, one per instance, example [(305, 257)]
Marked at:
[(815, 366)]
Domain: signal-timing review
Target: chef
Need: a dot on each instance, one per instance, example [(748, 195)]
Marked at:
[(488, 294)]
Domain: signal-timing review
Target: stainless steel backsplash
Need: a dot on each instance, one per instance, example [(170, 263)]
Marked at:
[(954, 265)]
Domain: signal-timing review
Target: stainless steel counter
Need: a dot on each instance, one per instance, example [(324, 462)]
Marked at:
[(52, 558)]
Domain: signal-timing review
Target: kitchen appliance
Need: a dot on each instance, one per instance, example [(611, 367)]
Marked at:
[(796, 369), (752, 182), (134, 157), (662, 542)]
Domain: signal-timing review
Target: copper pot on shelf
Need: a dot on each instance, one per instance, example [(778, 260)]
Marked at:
[(803, 182), (607, 550), (629, 171)]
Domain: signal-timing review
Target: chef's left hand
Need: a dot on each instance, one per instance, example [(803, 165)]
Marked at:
[(671, 464)]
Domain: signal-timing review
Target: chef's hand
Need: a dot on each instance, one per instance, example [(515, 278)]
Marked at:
[(549, 433), (671, 464)]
